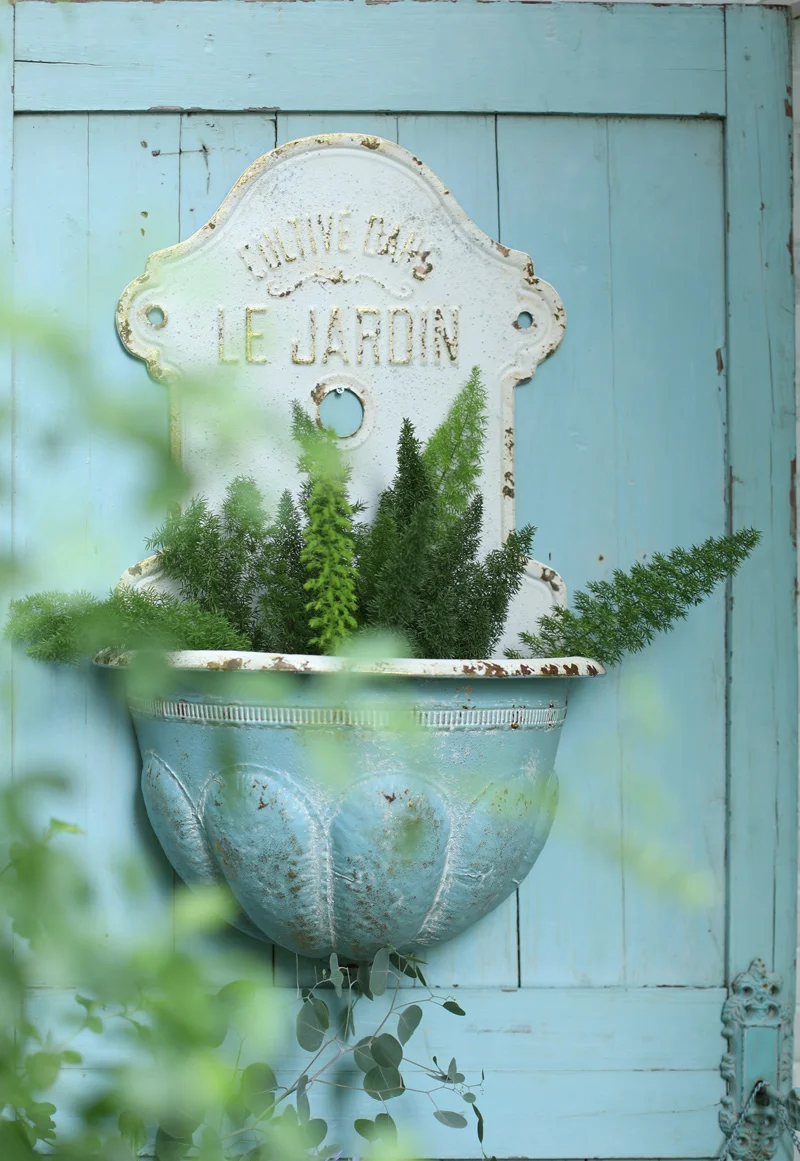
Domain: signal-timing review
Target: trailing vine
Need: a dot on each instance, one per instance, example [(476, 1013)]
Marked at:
[(154, 1003)]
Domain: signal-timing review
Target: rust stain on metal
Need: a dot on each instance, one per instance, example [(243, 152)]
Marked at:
[(720, 364), (504, 250), (124, 328), (551, 577), (370, 142), (424, 268)]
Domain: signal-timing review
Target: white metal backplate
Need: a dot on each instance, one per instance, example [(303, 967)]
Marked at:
[(341, 263)]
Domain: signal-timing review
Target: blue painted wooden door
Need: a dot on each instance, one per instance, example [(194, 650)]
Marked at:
[(641, 155)]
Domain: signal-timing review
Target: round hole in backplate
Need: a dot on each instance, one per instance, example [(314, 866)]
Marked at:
[(524, 320), (342, 411), (156, 316)]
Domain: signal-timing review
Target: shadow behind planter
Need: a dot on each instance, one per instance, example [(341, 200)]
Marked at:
[(348, 809)]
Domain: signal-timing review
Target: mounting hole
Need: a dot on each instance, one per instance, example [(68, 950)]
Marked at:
[(524, 320), (342, 411), (156, 316)]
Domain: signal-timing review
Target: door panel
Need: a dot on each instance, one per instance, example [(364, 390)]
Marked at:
[(593, 998), (626, 217)]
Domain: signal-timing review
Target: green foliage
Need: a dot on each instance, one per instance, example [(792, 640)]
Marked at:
[(68, 626), (282, 617), (419, 570), (305, 580), (454, 452), (151, 1003), (624, 614), (328, 551), (218, 559)]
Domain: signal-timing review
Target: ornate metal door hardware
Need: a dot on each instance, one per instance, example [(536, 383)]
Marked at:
[(759, 1105)]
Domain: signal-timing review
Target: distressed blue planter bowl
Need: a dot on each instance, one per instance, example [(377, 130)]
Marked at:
[(348, 808)]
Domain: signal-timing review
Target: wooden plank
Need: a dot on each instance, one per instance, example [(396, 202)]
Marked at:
[(581, 1072), (554, 204), (599, 199), (292, 126), (761, 632), (6, 358), (598, 1115), (216, 149), (667, 202), (132, 207), (50, 535), (479, 58), (462, 151)]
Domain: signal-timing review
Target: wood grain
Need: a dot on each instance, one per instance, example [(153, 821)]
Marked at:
[(464, 58)]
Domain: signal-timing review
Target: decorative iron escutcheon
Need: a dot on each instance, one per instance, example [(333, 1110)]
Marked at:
[(756, 1022)]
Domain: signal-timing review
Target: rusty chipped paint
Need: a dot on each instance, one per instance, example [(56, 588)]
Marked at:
[(199, 659), (342, 263)]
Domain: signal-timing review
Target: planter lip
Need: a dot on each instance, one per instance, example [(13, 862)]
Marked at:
[(238, 661)]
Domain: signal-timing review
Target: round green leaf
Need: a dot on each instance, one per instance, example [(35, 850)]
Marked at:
[(211, 1148), (362, 1055), (303, 1108), (452, 1006), (386, 1128), (315, 1132), (362, 979), (386, 1050), (312, 1021), (469, 1097), (379, 975), (257, 1090), (365, 1129), (43, 1069), (452, 1120), (132, 1128), (169, 1148), (383, 1083), (408, 1022)]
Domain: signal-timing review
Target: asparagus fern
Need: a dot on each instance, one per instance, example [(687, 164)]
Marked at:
[(307, 578), (328, 552), (623, 615), (68, 626)]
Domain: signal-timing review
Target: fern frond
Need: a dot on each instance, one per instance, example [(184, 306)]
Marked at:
[(623, 615), (328, 553), (454, 452), (65, 627), (282, 622)]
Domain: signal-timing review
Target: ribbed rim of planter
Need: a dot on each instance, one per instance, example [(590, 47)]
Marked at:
[(237, 661)]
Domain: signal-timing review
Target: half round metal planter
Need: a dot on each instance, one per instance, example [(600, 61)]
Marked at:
[(349, 808)]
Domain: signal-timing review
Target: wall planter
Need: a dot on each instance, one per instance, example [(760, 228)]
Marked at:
[(341, 264), (398, 813), (350, 806)]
